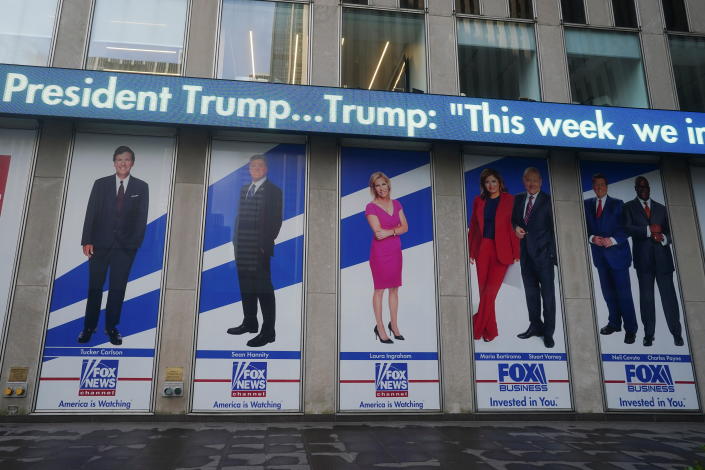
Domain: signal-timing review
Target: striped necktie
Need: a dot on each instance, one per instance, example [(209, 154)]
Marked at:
[(529, 208)]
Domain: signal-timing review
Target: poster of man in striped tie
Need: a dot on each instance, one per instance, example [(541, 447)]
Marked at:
[(532, 219)]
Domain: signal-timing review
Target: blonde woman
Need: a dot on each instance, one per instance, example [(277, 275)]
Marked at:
[(387, 221)]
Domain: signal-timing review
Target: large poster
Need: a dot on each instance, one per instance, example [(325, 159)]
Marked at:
[(16, 152), (99, 345), (646, 361), (388, 323), (248, 356), (517, 315)]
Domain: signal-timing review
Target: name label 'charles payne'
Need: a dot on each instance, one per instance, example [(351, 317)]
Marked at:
[(521, 377), (99, 377), (249, 379), (391, 379)]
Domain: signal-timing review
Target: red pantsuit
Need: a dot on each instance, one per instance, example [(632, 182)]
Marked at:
[(492, 258)]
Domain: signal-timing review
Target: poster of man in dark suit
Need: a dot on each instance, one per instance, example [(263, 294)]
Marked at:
[(113, 230), (611, 256), (532, 219), (646, 221), (257, 225)]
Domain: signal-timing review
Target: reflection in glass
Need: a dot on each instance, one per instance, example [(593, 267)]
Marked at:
[(573, 11), (521, 9), (26, 28), (624, 13), (263, 41), (470, 7), (412, 4), (675, 15), (605, 68), (138, 36), (497, 60), (383, 50), (688, 56)]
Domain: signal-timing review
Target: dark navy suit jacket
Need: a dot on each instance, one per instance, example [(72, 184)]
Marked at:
[(103, 227), (609, 225), (539, 244), (649, 255)]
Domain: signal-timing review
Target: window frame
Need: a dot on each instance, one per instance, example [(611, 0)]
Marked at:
[(637, 17), (570, 23), (460, 17), (219, 30), (187, 24), (687, 19), (644, 69), (423, 13), (672, 71)]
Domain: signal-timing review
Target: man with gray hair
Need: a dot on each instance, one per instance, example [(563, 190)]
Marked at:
[(532, 219), (259, 218)]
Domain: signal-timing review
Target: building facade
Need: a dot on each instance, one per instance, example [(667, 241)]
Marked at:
[(598, 65)]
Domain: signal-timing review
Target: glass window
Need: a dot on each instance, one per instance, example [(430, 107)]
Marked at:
[(263, 41), (138, 36), (356, 2), (605, 68), (497, 60), (412, 4), (624, 13), (675, 14), (383, 50), (26, 29), (470, 7), (573, 11), (521, 9), (688, 56)]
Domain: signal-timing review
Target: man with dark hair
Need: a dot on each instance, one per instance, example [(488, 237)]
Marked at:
[(259, 218), (610, 255), (113, 230), (532, 219), (646, 221)]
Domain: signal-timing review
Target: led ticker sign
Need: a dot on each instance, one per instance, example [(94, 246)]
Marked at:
[(42, 91)]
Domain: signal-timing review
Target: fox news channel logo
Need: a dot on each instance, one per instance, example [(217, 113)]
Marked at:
[(649, 378), (98, 378), (249, 379), (522, 377), (391, 379)]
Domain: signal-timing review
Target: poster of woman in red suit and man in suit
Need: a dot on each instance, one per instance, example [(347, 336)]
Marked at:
[(517, 319)]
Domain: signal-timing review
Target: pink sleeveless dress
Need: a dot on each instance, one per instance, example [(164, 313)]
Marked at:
[(385, 255)]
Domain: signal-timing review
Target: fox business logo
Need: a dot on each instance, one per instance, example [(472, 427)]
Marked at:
[(391, 379), (249, 379), (98, 378), (522, 377), (649, 378)]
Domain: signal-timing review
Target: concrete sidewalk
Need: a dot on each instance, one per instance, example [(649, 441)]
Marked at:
[(386, 445)]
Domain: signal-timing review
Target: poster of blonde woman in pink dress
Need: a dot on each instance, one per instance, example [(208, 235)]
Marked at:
[(387, 221), (387, 323)]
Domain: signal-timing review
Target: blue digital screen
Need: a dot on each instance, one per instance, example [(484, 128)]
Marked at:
[(45, 91)]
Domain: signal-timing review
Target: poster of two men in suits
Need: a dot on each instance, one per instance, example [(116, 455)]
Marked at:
[(516, 307), (639, 316), (107, 285)]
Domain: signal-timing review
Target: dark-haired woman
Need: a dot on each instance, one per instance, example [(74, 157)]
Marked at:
[(493, 247)]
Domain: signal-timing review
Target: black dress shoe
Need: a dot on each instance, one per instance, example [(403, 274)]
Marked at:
[(530, 332), (678, 340), (609, 329), (262, 339), (548, 342), (629, 338), (85, 336), (648, 340), (114, 336), (242, 329)]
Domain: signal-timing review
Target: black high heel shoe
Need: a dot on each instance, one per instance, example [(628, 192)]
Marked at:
[(385, 341), (399, 337)]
